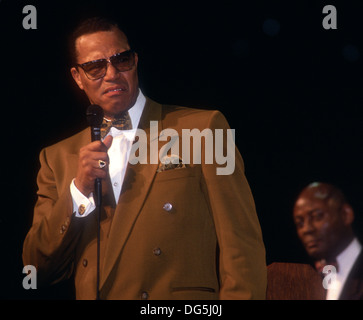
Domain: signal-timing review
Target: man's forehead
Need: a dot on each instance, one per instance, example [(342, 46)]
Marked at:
[(304, 202), (315, 192), (301, 202), (97, 45), (308, 204)]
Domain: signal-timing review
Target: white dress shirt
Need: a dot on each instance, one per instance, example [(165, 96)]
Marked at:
[(118, 155), (345, 260)]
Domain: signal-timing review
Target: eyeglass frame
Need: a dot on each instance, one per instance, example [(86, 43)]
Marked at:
[(108, 60)]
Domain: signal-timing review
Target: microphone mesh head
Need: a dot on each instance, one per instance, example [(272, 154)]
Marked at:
[(94, 115)]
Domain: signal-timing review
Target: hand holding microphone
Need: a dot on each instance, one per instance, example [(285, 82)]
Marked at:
[(93, 159)]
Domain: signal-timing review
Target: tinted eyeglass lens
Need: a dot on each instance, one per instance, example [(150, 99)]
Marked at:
[(96, 69), (123, 61)]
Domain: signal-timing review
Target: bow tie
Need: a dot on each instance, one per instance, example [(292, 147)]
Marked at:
[(122, 123)]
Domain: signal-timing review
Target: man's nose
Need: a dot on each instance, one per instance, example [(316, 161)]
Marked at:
[(111, 73), (308, 227)]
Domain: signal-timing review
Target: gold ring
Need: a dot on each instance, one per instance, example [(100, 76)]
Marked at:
[(101, 164)]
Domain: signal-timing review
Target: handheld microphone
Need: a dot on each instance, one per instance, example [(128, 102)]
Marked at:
[(94, 118)]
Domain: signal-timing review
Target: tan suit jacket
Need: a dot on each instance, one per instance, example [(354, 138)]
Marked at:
[(208, 246)]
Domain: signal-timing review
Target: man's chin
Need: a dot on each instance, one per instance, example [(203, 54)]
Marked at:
[(114, 108), (114, 111)]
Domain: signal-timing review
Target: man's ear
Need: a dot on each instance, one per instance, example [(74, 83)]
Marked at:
[(77, 77), (136, 59), (348, 214)]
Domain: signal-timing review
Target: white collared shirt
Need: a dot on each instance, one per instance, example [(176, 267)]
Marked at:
[(118, 155), (345, 260)]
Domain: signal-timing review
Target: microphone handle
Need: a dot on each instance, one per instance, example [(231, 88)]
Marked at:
[(98, 202), (96, 136), (94, 118), (98, 192)]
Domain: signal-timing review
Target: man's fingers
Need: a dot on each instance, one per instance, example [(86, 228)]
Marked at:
[(108, 141), (99, 145), (93, 163), (92, 157), (99, 156), (95, 172), (99, 173)]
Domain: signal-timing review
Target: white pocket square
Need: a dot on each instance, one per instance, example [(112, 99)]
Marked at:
[(171, 162)]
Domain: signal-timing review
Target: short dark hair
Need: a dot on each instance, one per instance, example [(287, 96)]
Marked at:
[(88, 26)]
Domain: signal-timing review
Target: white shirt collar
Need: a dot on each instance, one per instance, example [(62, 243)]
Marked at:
[(136, 110), (346, 260), (348, 256)]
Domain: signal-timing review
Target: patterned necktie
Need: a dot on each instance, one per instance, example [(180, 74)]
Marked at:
[(122, 123)]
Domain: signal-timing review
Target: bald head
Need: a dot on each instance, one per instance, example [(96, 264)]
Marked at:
[(323, 220), (321, 191)]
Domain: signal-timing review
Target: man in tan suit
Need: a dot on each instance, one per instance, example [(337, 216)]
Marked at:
[(167, 232)]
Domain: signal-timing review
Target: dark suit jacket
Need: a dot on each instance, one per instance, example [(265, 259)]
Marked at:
[(208, 246), (353, 287)]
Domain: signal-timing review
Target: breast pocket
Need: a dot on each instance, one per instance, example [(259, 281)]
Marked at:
[(177, 173)]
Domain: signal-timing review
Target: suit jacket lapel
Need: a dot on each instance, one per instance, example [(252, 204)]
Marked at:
[(353, 288), (137, 181)]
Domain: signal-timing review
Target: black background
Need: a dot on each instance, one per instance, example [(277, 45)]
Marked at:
[(294, 98)]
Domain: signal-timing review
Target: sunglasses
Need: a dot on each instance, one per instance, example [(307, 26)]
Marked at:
[(96, 69)]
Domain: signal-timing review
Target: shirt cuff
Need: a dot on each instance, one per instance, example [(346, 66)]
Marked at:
[(82, 206)]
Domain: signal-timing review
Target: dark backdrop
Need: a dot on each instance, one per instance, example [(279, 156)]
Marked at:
[(290, 88)]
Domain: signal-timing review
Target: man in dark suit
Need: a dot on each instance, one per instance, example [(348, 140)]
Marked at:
[(178, 231), (323, 220)]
